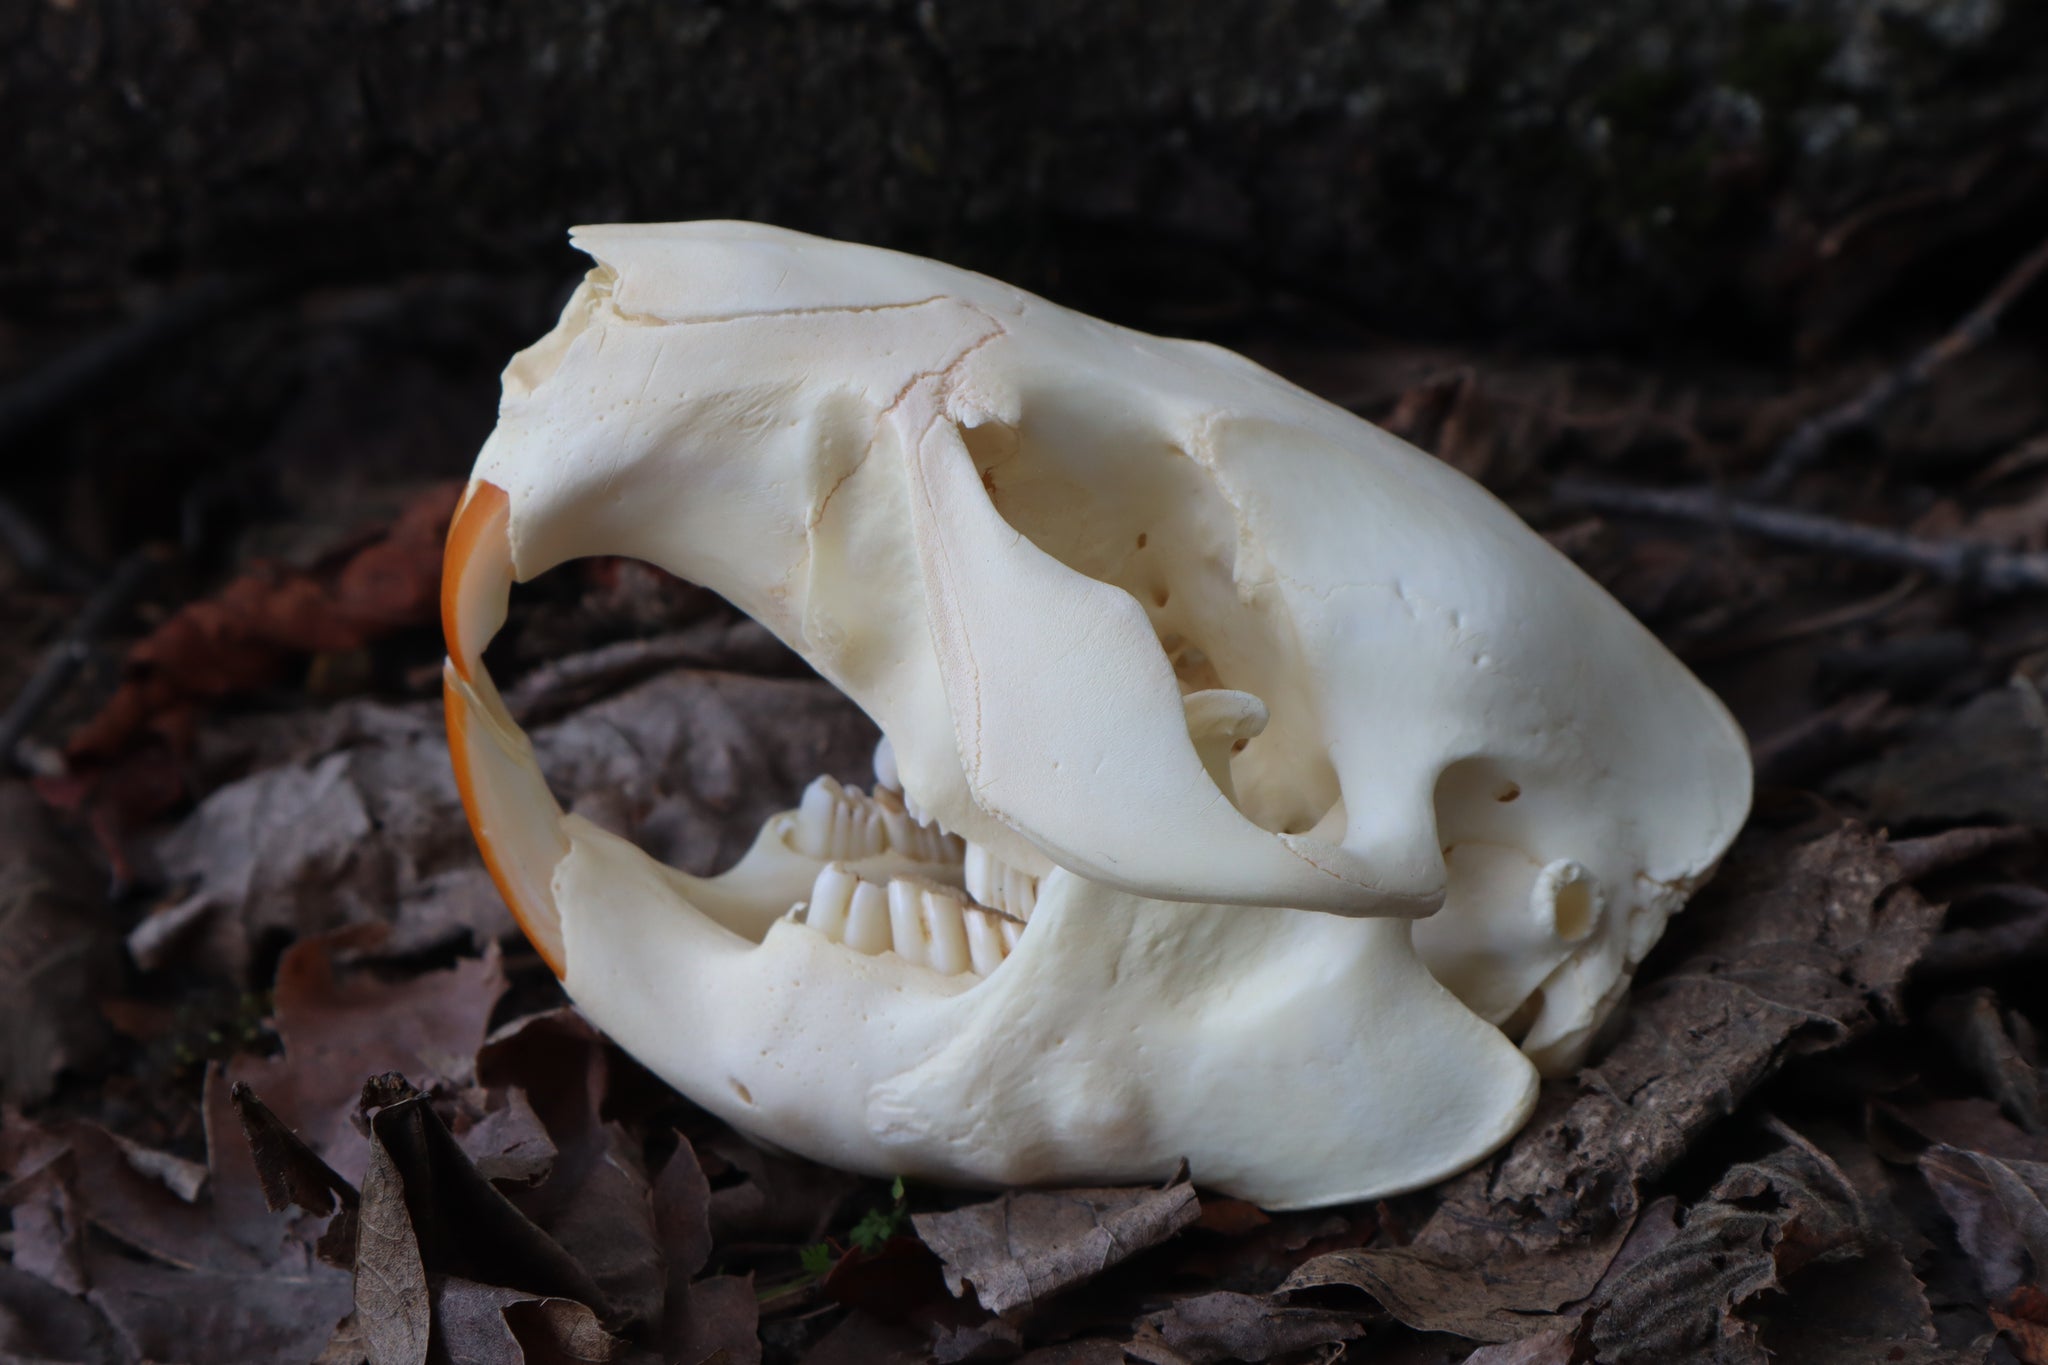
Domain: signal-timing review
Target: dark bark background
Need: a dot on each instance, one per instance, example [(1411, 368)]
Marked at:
[(1743, 304), (1542, 168)]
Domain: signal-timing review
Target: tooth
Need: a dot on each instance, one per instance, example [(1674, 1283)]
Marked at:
[(886, 776), (946, 933), (1020, 893), (910, 805), (984, 941), (1011, 932), (812, 836), (906, 921), (975, 871), (867, 919), (831, 898)]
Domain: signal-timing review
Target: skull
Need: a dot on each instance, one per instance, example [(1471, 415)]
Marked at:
[(1255, 789)]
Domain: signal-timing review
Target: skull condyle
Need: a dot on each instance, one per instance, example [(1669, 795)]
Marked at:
[(1221, 728)]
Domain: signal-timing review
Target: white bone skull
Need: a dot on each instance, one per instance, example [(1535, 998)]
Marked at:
[(1220, 729)]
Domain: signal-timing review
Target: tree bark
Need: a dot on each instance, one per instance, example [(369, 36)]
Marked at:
[(1542, 168)]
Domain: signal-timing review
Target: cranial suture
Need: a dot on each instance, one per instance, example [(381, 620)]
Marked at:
[(1255, 790)]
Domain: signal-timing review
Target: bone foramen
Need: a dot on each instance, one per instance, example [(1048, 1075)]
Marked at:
[(1255, 789)]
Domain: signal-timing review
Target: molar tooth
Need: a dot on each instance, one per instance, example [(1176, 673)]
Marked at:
[(945, 932), (831, 898), (906, 921), (867, 919), (1011, 932), (1020, 893), (984, 940), (887, 778)]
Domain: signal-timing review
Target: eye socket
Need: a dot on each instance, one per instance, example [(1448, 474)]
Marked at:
[(1126, 506)]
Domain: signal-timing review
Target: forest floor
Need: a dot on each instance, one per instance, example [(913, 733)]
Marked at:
[(282, 1082)]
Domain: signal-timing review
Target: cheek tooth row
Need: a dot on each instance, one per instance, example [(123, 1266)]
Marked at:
[(833, 821), (921, 922), (997, 885)]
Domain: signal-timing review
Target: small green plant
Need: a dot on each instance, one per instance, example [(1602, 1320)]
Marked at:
[(877, 1226)]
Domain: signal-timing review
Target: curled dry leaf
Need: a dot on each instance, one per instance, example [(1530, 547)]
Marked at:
[(1031, 1244)]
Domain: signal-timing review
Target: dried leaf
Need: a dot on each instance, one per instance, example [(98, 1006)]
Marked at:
[(340, 1028), (1764, 1221), (1982, 762), (1984, 1040), (1031, 1244), (165, 1260), (40, 1321), (293, 1175), (509, 1142), (60, 953), (244, 637), (1999, 1215), (1226, 1326), (368, 826), (721, 1321), (1557, 1346)]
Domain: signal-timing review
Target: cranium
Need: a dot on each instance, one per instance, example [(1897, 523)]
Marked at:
[(1255, 789)]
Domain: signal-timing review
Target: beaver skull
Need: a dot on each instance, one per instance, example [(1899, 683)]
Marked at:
[(1255, 789)]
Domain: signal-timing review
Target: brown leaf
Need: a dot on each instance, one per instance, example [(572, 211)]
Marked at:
[(1996, 1047), (339, 1029), (458, 1223), (1443, 1291), (60, 953), (782, 1198), (1764, 1221), (509, 1142), (1226, 1326), (168, 1261), (721, 1320), (291, 1173), (1031, 1244), (40, 1321), (393, 1308), (477, 1324), (361, 821), (1999, 1215), (862, 1340), (596, 1200), (1565, 1345), (1979, 763), (245, 636), (682, 1214)]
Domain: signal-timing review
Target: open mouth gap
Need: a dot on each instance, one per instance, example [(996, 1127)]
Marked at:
[(865, 867)]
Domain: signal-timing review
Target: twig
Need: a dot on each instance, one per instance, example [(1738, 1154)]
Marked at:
[(1813, 436), (64, 657), (1952, 561)]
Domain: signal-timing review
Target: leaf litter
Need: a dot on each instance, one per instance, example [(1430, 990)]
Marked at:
[(1815, 1134)]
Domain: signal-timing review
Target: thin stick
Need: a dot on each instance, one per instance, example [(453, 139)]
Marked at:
[(1951, 561), (1813, 436), (64, 657)]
